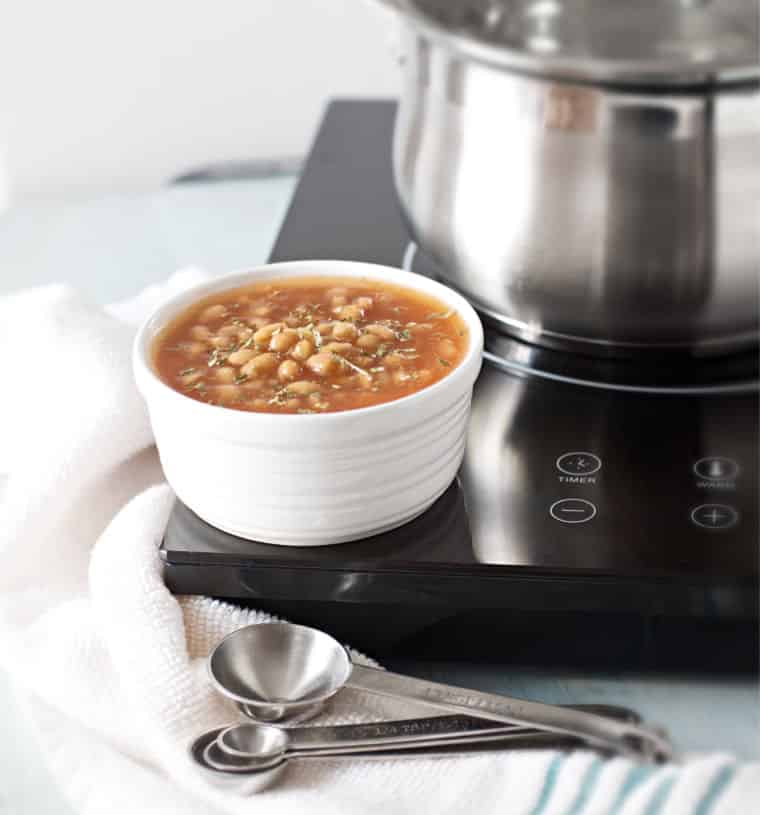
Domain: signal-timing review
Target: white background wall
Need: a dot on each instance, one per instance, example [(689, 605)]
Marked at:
[(98, 95)]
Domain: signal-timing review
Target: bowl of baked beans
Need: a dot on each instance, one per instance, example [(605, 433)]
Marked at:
[(310, 402)]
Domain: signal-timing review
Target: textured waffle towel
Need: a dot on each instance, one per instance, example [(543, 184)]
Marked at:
[(114, 663)]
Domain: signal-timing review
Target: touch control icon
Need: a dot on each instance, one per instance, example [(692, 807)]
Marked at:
[(717, 468), (714, 516), (572, 510), (579, 463)]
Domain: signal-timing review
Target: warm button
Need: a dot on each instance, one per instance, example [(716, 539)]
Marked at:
[(572, 510), (717, 468)]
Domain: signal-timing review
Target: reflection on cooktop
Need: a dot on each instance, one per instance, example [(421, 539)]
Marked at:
[(439, 535)]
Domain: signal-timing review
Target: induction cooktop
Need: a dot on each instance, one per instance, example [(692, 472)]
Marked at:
[(605, 514)]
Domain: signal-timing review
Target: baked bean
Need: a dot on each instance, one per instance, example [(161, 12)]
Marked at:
[(260, 364), (241, 357), (288, 370), (262, 311), (302, 350), (322, 364), (228, 393), (303, 387), (221, 342), (351, 312), (229, 331), (191, 376), (337, 348), (381, 331), (339, 300), (283, 340), (345, 331), (368, 342), (225, 374), (263, 335), (200, 332), (363, 361), (195, 349), (213, 312), (393, 360), (446, 349)]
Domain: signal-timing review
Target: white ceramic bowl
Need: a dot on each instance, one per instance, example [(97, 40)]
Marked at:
[(309, 480)]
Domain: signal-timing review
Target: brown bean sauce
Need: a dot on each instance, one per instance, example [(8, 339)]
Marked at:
[(310, 345)]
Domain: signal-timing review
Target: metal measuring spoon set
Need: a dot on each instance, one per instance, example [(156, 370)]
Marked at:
[(284, 673)]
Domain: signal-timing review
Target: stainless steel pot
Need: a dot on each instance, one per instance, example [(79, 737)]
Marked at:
[(588, 171)]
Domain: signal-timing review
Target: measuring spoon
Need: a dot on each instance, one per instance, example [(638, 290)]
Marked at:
[(287, 672), (261, 745)]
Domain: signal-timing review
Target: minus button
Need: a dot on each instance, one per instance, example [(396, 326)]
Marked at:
[(572, 510)]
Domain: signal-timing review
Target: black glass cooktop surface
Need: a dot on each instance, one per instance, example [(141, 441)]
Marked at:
[(604, 512)]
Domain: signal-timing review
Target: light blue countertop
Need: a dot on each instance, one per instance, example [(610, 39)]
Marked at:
[(112, 247)]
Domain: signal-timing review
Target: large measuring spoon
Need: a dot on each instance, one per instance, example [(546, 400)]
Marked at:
[(287, 672)]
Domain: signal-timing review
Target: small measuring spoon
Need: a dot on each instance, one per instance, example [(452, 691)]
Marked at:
[(244, 780), (287, 672), (257, 746)]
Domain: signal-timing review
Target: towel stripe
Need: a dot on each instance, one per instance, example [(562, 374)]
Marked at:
[(587, 785), (718, 784), (549, 782), (635, 777), (660, 796)]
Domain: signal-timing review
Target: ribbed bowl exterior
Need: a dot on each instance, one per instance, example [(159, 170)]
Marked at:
[(316, 479)]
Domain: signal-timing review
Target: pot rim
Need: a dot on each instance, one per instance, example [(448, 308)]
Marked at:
[(664, 74)]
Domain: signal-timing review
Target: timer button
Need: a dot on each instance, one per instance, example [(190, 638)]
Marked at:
[(579, 463)]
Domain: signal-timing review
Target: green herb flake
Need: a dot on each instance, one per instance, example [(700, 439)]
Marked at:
[(405, 335), (187, 372), (444, 362), (240, 378)]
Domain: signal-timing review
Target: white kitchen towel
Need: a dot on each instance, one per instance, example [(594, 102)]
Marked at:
[(112, 663)]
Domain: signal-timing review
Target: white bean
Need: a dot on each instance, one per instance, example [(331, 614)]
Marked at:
[(200, 332), (241, 357), (302, 350), (345, 331), (261, 364), (284, 340), (213, 312), (226, 374), (288, 370), (381, 331), (303, 387), (321, 364)]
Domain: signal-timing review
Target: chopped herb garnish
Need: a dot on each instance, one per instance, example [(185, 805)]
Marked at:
[(217, 357), (198, 386), (240, 378), (377, 370), (351, 365), (187, 371), (444, 362), (405, 334)]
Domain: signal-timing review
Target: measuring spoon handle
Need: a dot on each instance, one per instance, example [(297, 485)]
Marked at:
[(621, 737), (381, 735)]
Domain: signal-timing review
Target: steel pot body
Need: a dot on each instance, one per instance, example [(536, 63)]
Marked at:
[(607, 218)]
